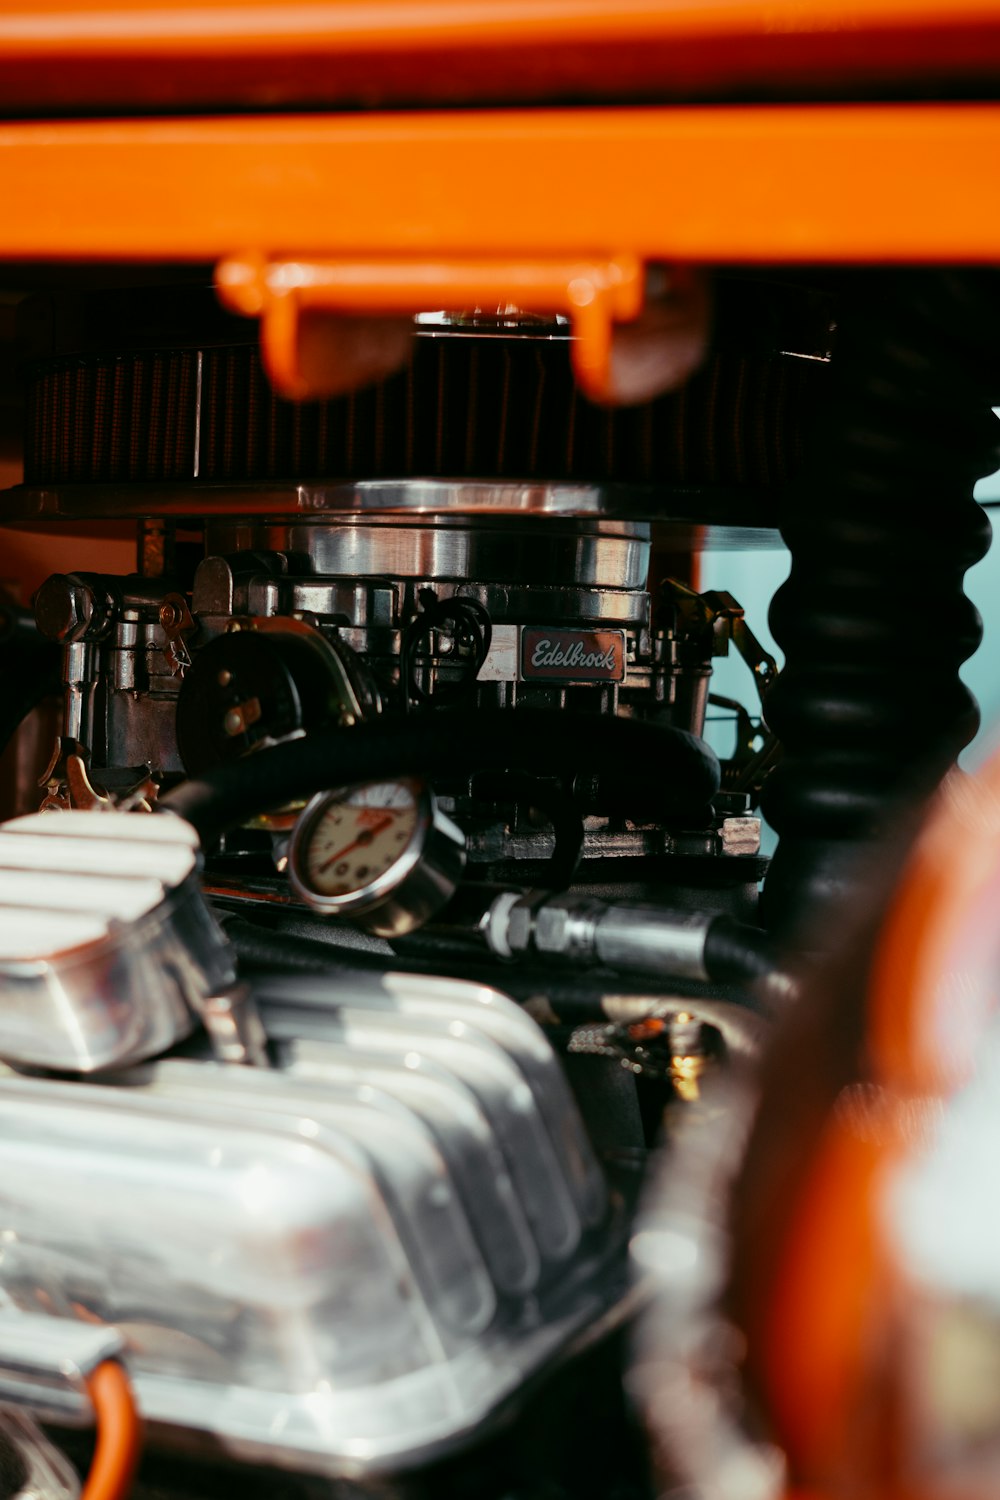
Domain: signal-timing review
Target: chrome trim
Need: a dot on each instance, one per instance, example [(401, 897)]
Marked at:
[(747, 509)]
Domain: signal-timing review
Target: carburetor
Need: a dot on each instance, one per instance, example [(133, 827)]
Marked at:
[(294, 628)]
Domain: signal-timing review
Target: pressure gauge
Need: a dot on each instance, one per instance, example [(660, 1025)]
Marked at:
[(382, 854)]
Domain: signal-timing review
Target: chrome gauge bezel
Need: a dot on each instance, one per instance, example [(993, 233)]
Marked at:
[(373, 892), (417, 884)]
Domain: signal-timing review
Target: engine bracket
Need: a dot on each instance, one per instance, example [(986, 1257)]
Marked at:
[(594, 294)]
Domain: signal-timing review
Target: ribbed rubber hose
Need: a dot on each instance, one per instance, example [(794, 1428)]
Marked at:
[(669, 773), (873, 619)]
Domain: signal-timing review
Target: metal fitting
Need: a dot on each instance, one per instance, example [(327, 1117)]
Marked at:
[(641, 939), (654, 940), (565, 927), (519, 924), (740, 835), (68, 609)]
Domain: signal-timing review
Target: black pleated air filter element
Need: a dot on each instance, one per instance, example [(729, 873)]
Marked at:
[(465, 406)]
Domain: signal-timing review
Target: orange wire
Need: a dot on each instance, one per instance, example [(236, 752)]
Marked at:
[(119, 1434)]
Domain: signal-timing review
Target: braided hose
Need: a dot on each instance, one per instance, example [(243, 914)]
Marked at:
[(873, 619)]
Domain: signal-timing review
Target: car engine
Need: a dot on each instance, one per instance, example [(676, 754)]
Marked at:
[(384, 1016), (387, 956)]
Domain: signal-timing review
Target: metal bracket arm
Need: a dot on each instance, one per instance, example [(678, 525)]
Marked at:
[(594, 294)]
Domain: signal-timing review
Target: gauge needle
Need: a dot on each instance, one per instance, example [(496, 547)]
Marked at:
[(363, 838)]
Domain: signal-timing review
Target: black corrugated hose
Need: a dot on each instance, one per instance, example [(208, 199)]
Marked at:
[(873, 619)]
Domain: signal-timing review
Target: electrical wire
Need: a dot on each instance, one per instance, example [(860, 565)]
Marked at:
[(119, 1434), (555, 804)]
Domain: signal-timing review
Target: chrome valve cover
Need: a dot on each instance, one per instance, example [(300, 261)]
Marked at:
[(108, 950), (347, 1261)]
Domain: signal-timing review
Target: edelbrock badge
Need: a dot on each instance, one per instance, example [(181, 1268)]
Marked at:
[(572, 655)]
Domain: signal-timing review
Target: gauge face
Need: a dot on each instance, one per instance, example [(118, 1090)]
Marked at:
[(383, 855), (358, 837)]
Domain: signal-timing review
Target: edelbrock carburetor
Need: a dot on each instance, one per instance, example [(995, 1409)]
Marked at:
[(291, 628)]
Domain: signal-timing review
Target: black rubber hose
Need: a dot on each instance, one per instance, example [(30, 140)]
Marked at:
[(284, 953), (664, 767), (736, 953), (267, 957), (873, 619), (554, 803)]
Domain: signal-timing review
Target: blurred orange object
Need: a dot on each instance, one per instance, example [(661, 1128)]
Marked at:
[(856, 1321), (119, 1434), (816, 184), (189, 54)]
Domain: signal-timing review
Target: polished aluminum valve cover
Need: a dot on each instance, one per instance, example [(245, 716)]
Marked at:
[(350, 1260), (107, 948)]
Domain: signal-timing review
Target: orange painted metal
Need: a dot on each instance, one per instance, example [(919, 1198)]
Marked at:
[(933, 985), (829, 1284), (282, 293), (152, 53), (798, 184), (398, 25), (932, 994)]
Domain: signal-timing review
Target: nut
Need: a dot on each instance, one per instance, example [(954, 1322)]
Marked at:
[(550, 928), (65, 609), (740, 835), (519, 924), (566, 926)]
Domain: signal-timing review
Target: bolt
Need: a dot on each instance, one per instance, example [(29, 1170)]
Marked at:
[(740, 835), (519, 927), (564, 925), (550, 929), (65, 609)]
